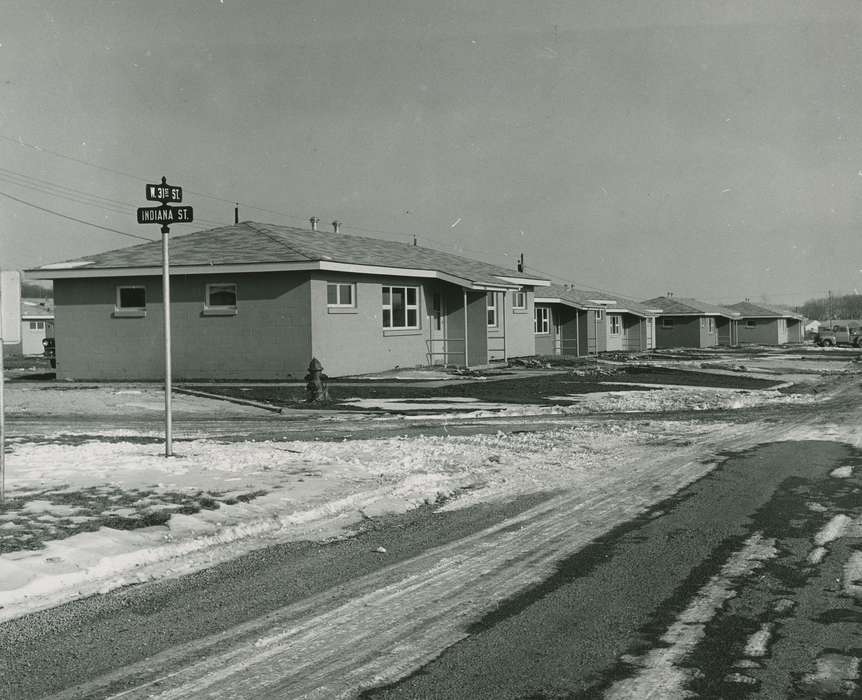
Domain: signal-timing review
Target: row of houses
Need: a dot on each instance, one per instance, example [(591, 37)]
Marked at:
[(258, 301)]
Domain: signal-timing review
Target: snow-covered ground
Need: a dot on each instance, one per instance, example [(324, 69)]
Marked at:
[(304, 490), (215, 500)]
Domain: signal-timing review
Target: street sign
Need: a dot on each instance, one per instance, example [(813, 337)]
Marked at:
[(164, 193), (165, 215)]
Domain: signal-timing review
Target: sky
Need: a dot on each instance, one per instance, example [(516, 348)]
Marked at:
[(710, 149)]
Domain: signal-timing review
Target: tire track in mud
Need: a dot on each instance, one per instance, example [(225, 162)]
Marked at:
[(611, 620), (365, 632), (382, 626)]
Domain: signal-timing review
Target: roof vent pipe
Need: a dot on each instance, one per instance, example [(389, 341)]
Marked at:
[(336, 226), (314, 220)]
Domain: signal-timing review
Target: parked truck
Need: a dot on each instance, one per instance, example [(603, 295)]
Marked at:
[(839, 334)]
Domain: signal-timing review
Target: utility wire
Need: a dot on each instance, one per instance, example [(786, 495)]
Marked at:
[(75, 195), (72, 218)]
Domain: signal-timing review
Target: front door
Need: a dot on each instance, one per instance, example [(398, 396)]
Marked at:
[(438, 346)]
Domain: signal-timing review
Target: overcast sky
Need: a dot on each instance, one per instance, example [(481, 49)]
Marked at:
[(707, 148)]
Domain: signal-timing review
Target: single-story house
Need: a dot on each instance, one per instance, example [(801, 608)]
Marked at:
[(691, 323), (764, 326), (258, 301), (37, 323), (571, 321)]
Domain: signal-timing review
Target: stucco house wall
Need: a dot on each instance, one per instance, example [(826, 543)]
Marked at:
[(795, 330), (268, 337), (353, 340), (520, 339), (685, 333), (763, 331)]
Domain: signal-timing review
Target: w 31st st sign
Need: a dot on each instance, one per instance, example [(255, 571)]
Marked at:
[(165, 215)]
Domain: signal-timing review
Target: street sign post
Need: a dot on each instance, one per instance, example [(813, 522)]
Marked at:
[(166, 215)]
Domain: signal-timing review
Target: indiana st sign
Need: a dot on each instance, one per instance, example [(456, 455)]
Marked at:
[(164, 193), (165, 215)]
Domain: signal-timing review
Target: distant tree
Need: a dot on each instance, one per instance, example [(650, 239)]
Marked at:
[(34, 290), (844, 306)]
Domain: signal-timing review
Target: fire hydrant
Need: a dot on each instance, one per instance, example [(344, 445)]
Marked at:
[(315, 387)]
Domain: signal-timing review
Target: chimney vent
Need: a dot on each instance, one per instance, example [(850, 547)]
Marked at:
[(336, 226), (314, 220)]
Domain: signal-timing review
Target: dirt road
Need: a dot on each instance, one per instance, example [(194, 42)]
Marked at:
[(331, 621)]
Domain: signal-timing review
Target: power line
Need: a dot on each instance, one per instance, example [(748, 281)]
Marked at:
[(72, 218), (75, 195), (40, 149)]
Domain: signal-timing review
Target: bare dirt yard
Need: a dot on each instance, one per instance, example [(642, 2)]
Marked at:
[(94, 506)]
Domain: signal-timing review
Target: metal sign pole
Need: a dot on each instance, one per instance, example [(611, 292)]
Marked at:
[(165, 215), (166, 300)]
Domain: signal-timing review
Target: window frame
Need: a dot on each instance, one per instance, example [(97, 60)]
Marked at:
[(615, 321), (600, 314), (750, 323), (211, 309), (523, 297), (545, 323), (121, 311), (667, 323), (415, 307), (492, 307), (710, 325), (339, 304)]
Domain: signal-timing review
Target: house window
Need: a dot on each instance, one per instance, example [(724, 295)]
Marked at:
[(702, 322), (131, 298), (519, 301), (667, 323), (221, 296), (750, 323), (599, 314), (542, 321), (401, 307), (37, 325), (616, 322), (492, 309), (340, 294), (710, 325)]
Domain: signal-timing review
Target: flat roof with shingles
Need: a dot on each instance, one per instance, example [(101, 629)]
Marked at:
[(252, 243)]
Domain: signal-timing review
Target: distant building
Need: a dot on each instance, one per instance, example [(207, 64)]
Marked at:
[(765, 326), (10, 311), (572, 321), (37, 323), (258, 301), (691, 323)]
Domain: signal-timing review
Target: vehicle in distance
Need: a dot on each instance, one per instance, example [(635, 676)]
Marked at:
[(838, 334), (49, 350)]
